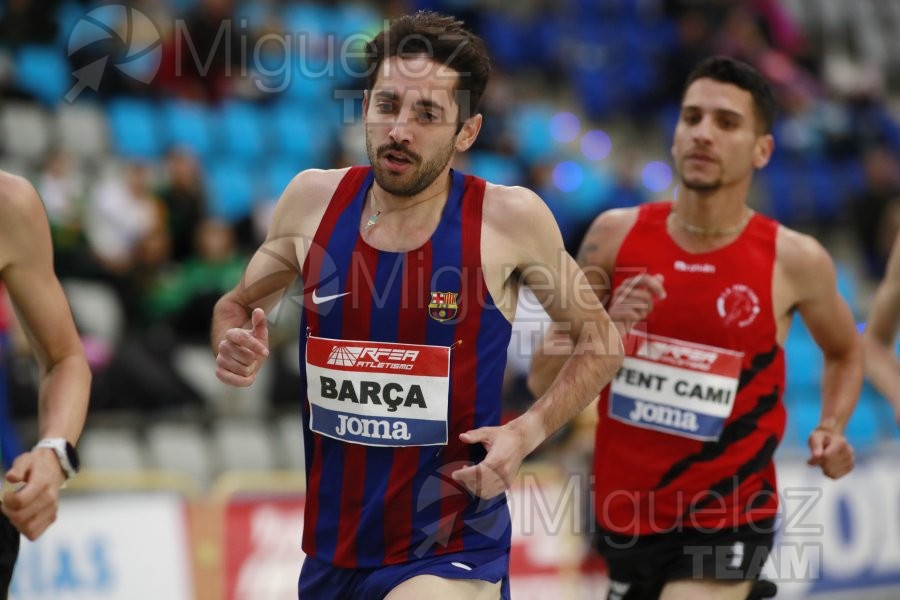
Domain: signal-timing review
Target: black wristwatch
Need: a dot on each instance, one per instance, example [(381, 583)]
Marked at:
[(65, 452)]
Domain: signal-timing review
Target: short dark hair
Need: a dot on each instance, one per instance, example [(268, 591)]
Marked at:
[(442, 38), (729, 70)]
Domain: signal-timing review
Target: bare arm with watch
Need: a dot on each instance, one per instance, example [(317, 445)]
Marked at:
[(26, 269)]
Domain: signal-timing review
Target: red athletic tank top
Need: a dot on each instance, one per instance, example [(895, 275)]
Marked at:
[(689, 425)]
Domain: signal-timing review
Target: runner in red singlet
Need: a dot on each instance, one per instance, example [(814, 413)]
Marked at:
[(704, 290)]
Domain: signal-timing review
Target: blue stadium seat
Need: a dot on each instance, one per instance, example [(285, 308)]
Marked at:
[(658, 37), (313, 82), (242, 130), (182, 6), (592, 195), (826, 190), (256, 14), (531, 132), (231, 190), (599, 88), (313, 70), (786, 194), (278, 173), (67, 15), (305, 18), (505, 37), (134, 125), (352, 19), (854, 177), (43, 72), (496, 168), (187, 124), (804, 359), (547, 41), (303, 133), (353, 24), (864, 429), (803, 415)]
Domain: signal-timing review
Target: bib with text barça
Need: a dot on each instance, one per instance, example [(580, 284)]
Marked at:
[(676, 387), (378, 393)]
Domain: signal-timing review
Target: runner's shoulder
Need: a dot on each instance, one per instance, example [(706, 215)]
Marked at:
[(306, 197), (604, 237)]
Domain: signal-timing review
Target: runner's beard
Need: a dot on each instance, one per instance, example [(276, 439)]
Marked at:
[(422, 174)]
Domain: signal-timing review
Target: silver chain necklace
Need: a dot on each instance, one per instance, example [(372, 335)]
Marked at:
[(376, 212)]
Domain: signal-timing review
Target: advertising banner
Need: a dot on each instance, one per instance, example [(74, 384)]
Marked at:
[(109, 547)]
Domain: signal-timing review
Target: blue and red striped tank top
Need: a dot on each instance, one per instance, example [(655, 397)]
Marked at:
[(4, 317), (689, 425), (369, 316)]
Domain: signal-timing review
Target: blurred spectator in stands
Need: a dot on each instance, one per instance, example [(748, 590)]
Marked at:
[(28, 22), (861, 89), (133, 243), (174, 302), (185, 294), (743, 37), (203, 57), (780, 28), (694, 43), (153, 254), (185, 200), (877, 209), (63, 191), (496, 104), (121, 213)]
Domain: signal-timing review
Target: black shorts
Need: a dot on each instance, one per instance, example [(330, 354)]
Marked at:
[(639, 567), (9, 552)]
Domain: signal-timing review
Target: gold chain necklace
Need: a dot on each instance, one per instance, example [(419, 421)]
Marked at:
[(378, 212), (710, 231)]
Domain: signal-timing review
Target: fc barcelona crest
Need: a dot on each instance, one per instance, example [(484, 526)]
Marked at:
[(443, 306)]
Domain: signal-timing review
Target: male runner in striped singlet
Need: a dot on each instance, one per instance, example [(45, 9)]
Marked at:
[(410, 284), (882, 365), (706, 290), (26, 270)]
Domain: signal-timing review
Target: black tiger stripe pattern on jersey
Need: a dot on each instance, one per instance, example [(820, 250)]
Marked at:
[(737, 430)]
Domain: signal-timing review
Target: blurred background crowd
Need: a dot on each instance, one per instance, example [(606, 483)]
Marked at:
[(160, 133)]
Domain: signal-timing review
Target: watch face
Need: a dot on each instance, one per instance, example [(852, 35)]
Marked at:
[(72, 455)]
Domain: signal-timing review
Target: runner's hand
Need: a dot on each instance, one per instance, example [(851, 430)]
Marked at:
[(634, 299), (32, 507), (830, 451), (507, 447), (243, 351)]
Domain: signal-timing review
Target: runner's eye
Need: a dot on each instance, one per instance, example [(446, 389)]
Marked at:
[(426, 116)]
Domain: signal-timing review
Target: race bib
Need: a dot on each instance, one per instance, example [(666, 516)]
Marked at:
[(378, 393), (676, 387)]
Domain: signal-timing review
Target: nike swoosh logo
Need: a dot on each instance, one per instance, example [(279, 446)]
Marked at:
[(320, 299)]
